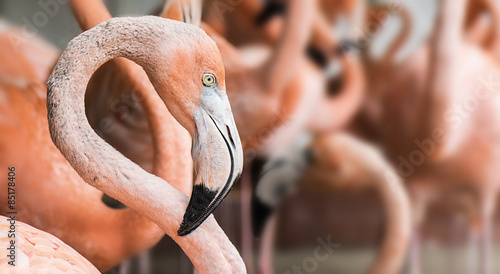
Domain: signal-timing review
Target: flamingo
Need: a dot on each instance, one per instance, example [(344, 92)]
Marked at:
[(464, 158), (337, 161), (209, 115), (40, 251), (407, 79), (382, 71), (224, 255)]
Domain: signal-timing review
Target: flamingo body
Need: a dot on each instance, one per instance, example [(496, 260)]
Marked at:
[(39, 252)]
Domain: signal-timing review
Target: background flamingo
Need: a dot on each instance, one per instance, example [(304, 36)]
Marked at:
[(336, 162)]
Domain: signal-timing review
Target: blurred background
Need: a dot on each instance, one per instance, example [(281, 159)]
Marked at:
[(354, 220), (63, 26)]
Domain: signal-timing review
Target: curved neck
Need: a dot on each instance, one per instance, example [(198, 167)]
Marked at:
[(290, 49), (230, 54), (391, 256), (99, 164), (333, 113), (250, 9), (171, 145), (188, 11), (403, 36), (165, 131), (172, 9), (446, 44), (377, 14), (344, 162), (322, 36), (89, 13)]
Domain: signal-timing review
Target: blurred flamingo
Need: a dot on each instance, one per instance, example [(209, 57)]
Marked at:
[(435, 146), (338, 162)]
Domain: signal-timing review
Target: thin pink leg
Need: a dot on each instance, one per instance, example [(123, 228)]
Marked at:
[(415, 260), (124, 267), (454, 265), (487, 206), (485, 242), (485, 247), (472, 252), (144, 261), (419, 208), (267, 247)]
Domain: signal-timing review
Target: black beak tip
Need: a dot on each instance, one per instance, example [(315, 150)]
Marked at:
[(202, 203), (189, 224), (184, 230), (260, 215)]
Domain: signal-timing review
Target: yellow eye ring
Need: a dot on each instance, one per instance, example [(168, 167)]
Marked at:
[(208, 79)]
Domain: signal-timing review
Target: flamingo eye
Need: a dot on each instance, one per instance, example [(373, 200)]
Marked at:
[(208, 79)]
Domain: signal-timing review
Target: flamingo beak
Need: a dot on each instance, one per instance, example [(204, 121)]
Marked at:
[(278, 179), (217, 156)]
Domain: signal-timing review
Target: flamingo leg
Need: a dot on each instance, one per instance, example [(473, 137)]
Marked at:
[(485, 246), (419, 207), (415, 260), (454, 265), (487, 204), (267, 247), (124, 267), (472, 252), (144, 262)]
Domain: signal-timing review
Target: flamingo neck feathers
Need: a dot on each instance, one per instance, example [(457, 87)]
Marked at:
[(403, 36), (166, 133), (446, 45), (68, 125), (101, 165), (397, 206), (287, 54)]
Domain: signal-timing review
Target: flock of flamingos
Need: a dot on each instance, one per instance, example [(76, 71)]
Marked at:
[(217, 94)]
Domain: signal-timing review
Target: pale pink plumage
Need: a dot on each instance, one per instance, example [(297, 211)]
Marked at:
[(40, 252)]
